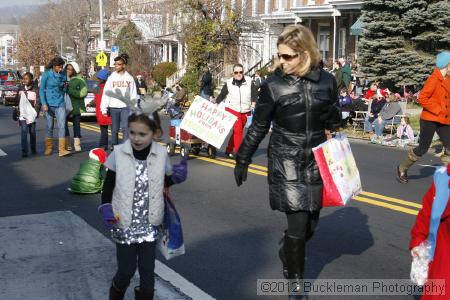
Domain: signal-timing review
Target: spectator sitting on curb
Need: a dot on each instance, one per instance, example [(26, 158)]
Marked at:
[(405, 131)]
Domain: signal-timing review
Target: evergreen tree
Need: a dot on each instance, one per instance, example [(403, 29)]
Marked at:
[(401, 38)]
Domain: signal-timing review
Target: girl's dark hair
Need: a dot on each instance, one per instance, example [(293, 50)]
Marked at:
[(153, 123), (123, 57), (29, 75), (57, 61)]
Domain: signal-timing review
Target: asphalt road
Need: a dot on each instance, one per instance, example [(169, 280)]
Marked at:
[(231, 234)]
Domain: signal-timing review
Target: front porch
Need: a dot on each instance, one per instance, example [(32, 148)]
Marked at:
[(329, 23)]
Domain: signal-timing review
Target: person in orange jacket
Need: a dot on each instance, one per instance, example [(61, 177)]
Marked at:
[(433, 225), (435, 117)]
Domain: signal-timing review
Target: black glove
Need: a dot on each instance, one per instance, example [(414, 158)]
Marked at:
[(240, 173)]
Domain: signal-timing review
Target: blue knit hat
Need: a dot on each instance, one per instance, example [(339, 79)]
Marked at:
[(103, 74), (443, 59)]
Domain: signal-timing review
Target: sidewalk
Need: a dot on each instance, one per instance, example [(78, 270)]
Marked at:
[(58, 256)]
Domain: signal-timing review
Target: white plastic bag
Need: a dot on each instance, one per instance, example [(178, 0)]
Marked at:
[(27, 111), (68, 103), (419, 265)]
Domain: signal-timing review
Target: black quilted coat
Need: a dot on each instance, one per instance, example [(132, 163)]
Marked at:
[(300, 108)]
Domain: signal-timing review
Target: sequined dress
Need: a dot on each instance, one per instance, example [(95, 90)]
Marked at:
[(140, 230)]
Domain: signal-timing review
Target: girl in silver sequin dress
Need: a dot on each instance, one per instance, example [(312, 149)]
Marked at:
[(133, 204)]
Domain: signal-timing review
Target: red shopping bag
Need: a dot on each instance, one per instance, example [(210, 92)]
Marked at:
[(337, 167)]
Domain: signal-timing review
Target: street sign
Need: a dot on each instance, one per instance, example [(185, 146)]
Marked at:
[(101, 59), (102, 45), (114, 54)]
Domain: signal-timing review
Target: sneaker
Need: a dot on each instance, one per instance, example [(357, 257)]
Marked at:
[(402, 177), (229, 155)]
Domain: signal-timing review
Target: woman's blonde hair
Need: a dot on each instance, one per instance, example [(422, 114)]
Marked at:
[(300, 39)]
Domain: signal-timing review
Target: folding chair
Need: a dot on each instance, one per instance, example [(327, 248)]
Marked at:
[(360, 116)]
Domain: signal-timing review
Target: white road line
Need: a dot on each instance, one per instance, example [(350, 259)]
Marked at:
[(2, 153), (178, 281), (430, 166)]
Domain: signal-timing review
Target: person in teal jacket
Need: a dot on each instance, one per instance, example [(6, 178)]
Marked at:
[(77, 91), (51, 93)]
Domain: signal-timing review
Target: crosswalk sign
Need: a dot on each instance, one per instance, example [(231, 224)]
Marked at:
[(101, 59)]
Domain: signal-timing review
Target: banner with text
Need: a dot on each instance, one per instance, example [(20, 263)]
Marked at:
[(208, 122)]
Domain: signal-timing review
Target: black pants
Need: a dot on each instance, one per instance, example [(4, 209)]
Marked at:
[(301, 224), (103, 136), (427, 130), (76, 121), (128, 257)]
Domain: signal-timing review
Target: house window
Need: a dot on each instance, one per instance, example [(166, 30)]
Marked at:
[(297, 3), (323, 40), (311, 2), (281, 5)]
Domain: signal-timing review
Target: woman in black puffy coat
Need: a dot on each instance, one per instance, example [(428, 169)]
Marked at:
[(300, 100)]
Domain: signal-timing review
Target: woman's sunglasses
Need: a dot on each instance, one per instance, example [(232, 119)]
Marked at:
[(287, 57), (238, 72)]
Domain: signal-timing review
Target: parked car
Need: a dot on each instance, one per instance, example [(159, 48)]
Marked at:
[(89, 102), (8, 93), (8, 75), (8, 87)]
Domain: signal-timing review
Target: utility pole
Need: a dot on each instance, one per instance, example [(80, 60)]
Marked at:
[(100, 5)]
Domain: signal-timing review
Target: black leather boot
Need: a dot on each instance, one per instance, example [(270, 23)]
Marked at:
[(142, 294), (282, 256), (115, 293), (294, 250), (281, 253)]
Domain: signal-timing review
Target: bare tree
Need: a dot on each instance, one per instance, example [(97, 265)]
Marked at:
[(34, 47), (68, 23)]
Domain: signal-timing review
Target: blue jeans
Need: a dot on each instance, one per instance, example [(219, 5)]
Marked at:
[(24, 130), (60, 114), (119, 118), (379, 127), (76, 120)]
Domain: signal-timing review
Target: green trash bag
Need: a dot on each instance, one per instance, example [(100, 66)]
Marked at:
[(89, 179)]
